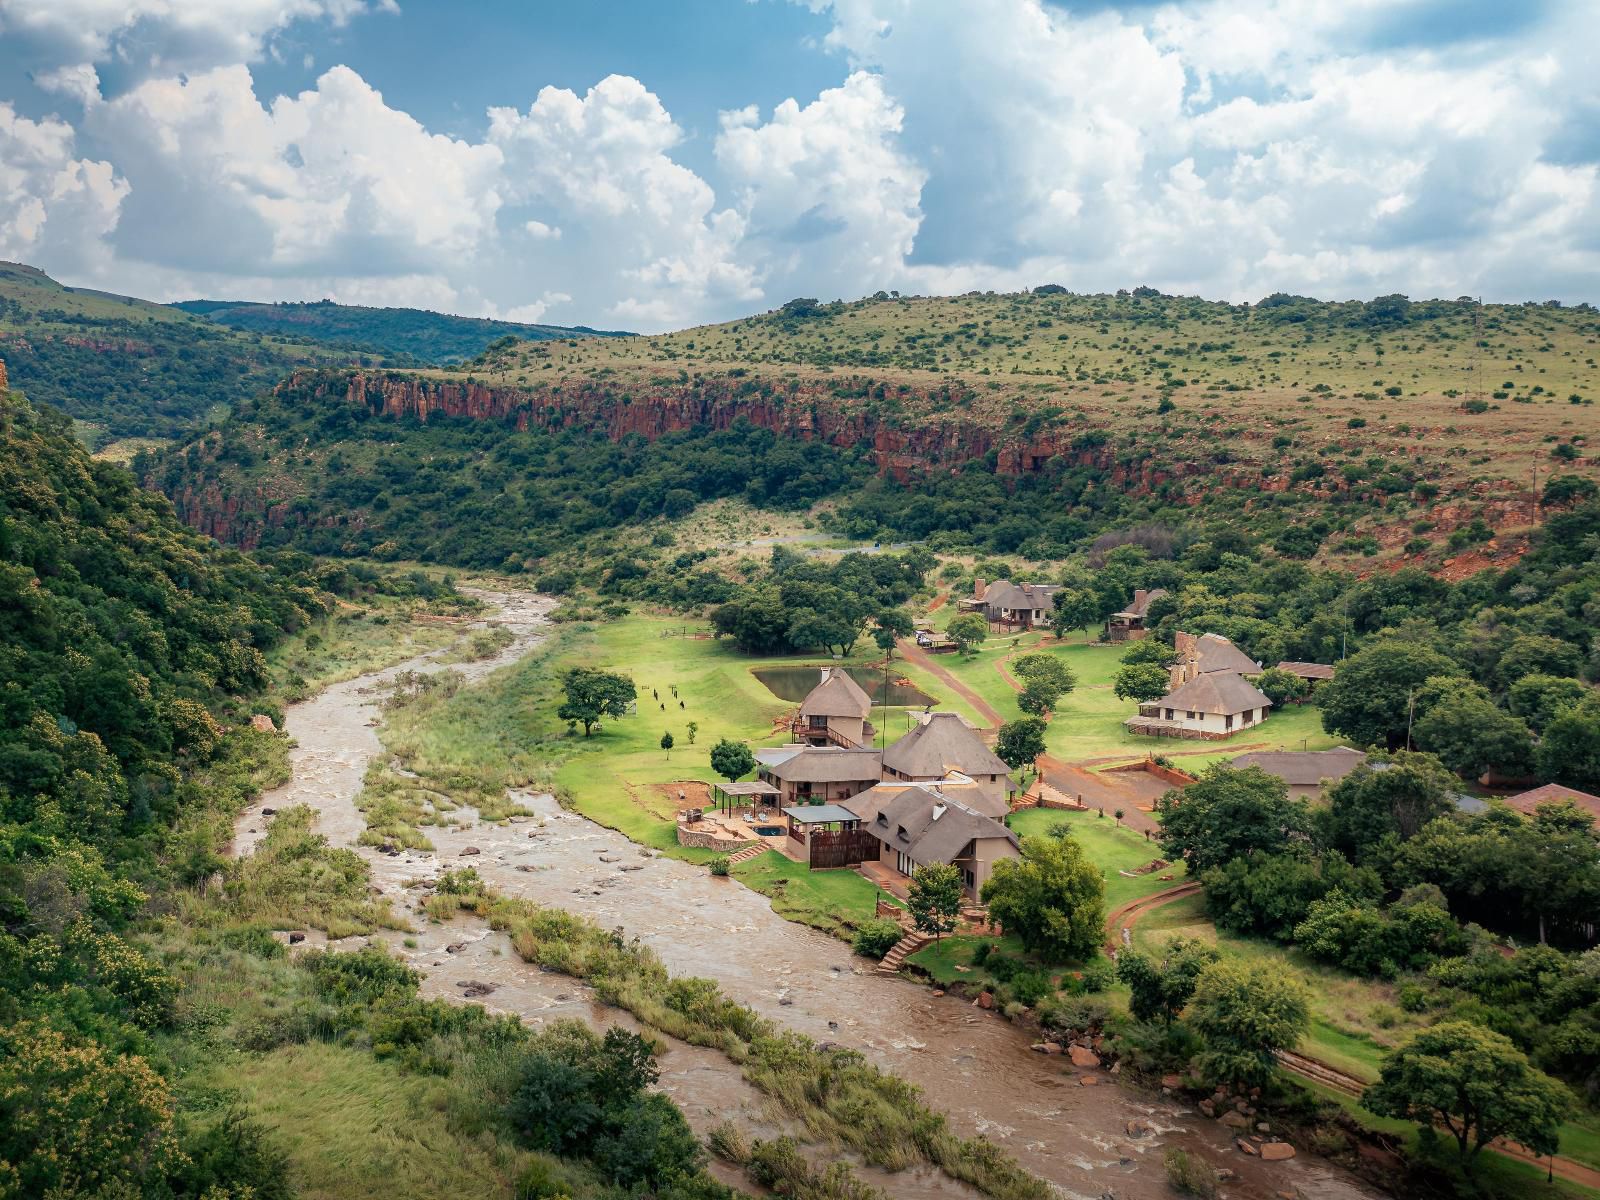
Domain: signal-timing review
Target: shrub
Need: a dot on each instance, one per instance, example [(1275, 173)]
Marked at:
[(1413, 998), (1189, 1175), (1099, 975), (876, 938), (720, 865), (727, 1142)]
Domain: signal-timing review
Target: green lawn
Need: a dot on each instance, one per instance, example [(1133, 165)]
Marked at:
[(948, 961), (1088, 722), (833, 901), (1114, 848)]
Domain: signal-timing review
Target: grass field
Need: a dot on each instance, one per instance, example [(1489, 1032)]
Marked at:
[(1088, 722), (354, 1126)]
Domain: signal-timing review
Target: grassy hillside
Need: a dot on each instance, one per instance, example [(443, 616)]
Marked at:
[(125, 368), (1374, 433), (412, 333)]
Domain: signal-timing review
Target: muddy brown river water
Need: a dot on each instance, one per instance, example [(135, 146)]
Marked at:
[(972, 1065)]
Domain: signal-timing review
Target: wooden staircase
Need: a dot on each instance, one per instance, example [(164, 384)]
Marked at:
[(908, 945)]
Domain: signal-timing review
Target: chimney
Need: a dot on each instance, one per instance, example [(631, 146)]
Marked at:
[(978, 587), (1139, 595)]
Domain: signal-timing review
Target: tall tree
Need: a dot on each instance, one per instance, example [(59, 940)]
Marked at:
[(934, 898), (1052, 898), (1246, 1015), (891, 624), (732, 759), (1471, 736), (1372, 698), (1231, 814), (1476, 1084), (1161, 989), (1569, 751), (1074, 609), (1045, 679), (968, 632), (1020, 742), (1140, 682), (592, 695), (1392, 796)]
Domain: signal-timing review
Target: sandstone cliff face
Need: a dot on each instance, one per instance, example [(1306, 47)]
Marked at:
[(807, 411), (854, 412)]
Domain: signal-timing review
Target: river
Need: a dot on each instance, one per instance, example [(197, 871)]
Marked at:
[(972, 1065)]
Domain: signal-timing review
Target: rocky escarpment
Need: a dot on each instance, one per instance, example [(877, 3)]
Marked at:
[(909, 432), (853, 413)]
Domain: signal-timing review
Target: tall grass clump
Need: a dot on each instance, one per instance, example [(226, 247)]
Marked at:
[(1189, 1175), (295, 878)]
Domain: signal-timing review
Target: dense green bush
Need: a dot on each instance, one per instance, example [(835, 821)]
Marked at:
[(874, 939)]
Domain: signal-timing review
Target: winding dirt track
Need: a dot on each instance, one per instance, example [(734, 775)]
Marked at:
[(913, 653), (1124, 917)]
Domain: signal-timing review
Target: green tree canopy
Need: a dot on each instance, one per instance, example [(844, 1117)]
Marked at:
[(1370, 700), (1471, 736), (1020, 742), (1539, 699), (592, 695), (1045, 679), (732, 760), (1148, 650), (1074, 609), (1280, 686), (1476, 1084), (934, 898), (1161, 989), (1390, 796), (968, 632), (1229, 814), (1052, 898), (1140, 682), (891, 624), (1245, 1016), (1569, 751)]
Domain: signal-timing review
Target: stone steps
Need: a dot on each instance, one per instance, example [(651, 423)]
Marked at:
[(745, 855), (908, 945)]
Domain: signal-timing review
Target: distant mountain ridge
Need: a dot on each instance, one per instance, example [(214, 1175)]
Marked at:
[(129, 368), (414, 333)]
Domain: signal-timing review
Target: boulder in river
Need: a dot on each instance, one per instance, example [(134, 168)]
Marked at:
[(470, 850)]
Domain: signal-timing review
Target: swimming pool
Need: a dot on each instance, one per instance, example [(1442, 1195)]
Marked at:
[(769, 830)]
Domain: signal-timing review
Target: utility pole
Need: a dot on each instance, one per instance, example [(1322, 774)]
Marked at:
[(1411, 708)]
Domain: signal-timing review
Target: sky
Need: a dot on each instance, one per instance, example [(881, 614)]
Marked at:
[(636, 164)]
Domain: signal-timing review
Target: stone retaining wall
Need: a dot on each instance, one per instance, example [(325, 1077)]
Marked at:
[(709, 841)]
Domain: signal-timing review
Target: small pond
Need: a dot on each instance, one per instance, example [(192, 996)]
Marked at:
[(795, 683)]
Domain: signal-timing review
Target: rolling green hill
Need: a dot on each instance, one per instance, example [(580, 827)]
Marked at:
[(407, 333), (126, 368)]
